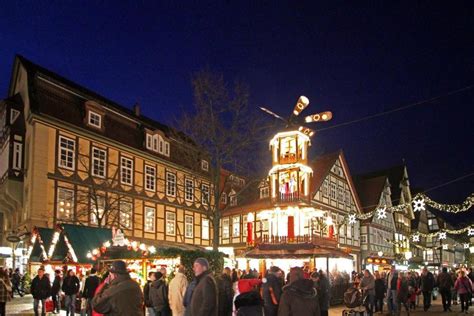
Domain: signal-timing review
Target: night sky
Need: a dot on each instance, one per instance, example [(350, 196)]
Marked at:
[(353, 59)]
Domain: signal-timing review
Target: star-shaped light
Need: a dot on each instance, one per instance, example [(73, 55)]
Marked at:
[(466, 246), (416, 237), (442, 235), (470, 231), (445, 246), (352, 219), (419, 205), (382, 213)]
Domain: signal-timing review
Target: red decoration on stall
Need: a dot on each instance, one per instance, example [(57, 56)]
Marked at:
[(249, 233), (331, 231), (291, 228)]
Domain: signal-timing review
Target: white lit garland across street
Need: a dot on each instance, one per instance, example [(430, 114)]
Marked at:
[(419, 203), (470, 231), (416, 237), (132, 245), (442, 235)]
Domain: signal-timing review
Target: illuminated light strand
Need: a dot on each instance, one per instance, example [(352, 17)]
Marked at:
[(71, 250), (53, 243), (442, 232)]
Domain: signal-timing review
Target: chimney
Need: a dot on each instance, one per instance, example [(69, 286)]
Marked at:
[(136, 109)]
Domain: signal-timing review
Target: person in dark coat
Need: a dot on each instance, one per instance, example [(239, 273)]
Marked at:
[(188, 296), (445, 283), (91, 284), (427, 286), (321, 282), (380, 290), (271, 291), (70, 288), (120, 295), (204, 299), (41, 290), (226, 293), (249, 304), (55, 291), (158, 295), (146, 294), (403, 294), (299, 297), (16, 281)]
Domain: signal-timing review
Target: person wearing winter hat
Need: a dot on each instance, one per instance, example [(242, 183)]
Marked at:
[(120, 295), (204, 298)]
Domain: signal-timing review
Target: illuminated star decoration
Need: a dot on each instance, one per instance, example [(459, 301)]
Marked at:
[(382, 213), (470, 232), (419, 205), (352, 219), (445, 246), (442, 235), (416, 237), (466, 246)]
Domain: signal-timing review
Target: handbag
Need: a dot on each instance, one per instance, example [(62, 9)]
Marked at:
[(48, 305)]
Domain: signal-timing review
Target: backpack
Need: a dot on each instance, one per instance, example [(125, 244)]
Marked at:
[(353, 298)]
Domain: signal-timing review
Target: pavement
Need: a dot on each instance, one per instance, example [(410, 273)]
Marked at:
[(24, 306)]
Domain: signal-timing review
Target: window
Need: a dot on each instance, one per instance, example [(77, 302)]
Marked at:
[(67, 148), (167, 149), (236, 226), (205, 228), (17, 154), (170, 184), (224, 198), (188, 190), (98, 162), (325, 188), (126, 215), (204, 165), (95, 119), (97, 210), (170, 223), (225, 228), (233, 199), (150, 219), (14, 115), (264, 192), (333, 191), (205, 194), (340, 194), (244, 221), (126, 169), (363, 238), (149, 141), (65, 206), (189, 226), (348, 198), (150, 178)]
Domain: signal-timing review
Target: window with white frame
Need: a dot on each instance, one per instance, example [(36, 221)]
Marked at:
[(264, 192), (149, 141), (236, 226), (225, 227), (224, 198), (65, 204), (340, 194), (17, 155), (170, 184), (167, 149), (188, 190), (189, 226), (205, 194), (325, 187), (205, 229), (126, 215), (126, 170), (233, 199), (170, 223), (150, 178), (98, 162), (204, 165), (95, 119), (333, 191), (150, 219), (67, 150), (97, 210)]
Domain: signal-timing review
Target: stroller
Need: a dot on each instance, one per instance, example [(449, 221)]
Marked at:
[(355, 301)]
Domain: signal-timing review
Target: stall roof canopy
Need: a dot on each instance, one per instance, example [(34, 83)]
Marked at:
[(292, 251), (82, 240), (45, 235)]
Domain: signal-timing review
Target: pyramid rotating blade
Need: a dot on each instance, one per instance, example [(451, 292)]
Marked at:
[(301, 104), (319, 117)]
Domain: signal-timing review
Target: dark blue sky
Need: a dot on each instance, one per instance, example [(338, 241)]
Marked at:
[(353, 59)]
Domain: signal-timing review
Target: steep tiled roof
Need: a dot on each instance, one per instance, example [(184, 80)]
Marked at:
[(395, 176), (370, 190), (321, 167)]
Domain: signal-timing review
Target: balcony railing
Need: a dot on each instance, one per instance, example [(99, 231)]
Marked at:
[(276, 239), (290, 197)]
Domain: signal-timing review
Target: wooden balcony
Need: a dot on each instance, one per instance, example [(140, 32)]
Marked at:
[(310, 239), (291, 198)]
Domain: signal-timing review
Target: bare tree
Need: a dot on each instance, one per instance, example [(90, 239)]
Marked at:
[(223, 130)]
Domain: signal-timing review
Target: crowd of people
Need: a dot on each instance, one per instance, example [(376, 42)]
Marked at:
[(235, 292)]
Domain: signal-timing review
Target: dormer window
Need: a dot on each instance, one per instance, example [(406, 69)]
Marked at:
[(156, 143), (204, 165), (264, 192), (94, 119)]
